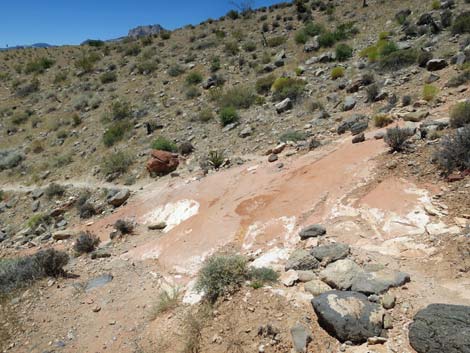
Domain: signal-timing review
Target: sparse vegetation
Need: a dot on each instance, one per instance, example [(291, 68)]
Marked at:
[(237, 97), (462, 23), (54, 190), (164, 144), (292, 136), (124, 226), (264, 84), (382, 120), (38, 66), (337, 72), (116, 163), (396, 137), (86, 243), (343, 52), (166, 300), (460, 114), (287, 87), (194, 78), (228, 115), (430, 92), (116, 132), (453, 152)]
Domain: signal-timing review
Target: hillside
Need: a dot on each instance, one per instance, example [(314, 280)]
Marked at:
[(315, 153)]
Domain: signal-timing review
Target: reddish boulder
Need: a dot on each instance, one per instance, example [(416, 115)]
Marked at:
[(162, 162)]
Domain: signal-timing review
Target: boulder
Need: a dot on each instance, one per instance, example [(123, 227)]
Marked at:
[(311, 45), (416, 116), (162, 162), (300, 338), (436, 64), (348, 316), (357, 120), (289, 278), (340, 274), (315, 230), (119, 198), (441, 328), (301, 259), (283, 106), (359, 127), (359, 138), (349, 103), (377, 282), (316, 287), (63, 235), (331, 252), (306, 276)]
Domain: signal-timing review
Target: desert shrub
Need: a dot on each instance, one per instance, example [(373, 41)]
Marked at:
[(406, 100), (215, 159), (20, 117), (86, 210), (94, 43), (19, 272), (382, 120), (37, 220), (337, 72), (263, 84), (396, 137), (10, 159), (459, 114), (287, 87), (132, 50), (87, 62), (165, 35), (120, 110), (459, 79), (116, 132), (249, 46), (116, 163), (108, 77), (382, 48), (386, 47), (343, 52), (53, 190), (231, 48), (399, 59), (262, 275), (292, 136), (276, 41), (194, 78), (215, 64), (326, 39), (232, 14), (454, 151), (175, 70), (124, 226), (228, 115), (38, 66), (313, 29), (462, 23), (185, 148), (205, 115), (164, 144), (423, 58), (301, 36), (430, 92), (221, 275), (192, 92), (27, 88), (166, 300), (86, 243), (238, 97), (146, 66), (62, 160)]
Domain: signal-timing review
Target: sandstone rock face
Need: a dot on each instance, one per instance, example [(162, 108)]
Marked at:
[(162, 162), (348, 316), (441, 328)]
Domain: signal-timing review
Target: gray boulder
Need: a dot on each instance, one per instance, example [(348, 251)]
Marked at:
[(340, 274), (331, 252), (301, 259), (312, 231), (119, 198), (436, 64), (441, 328), (300, 337), (283, 106), (348, 316), (359, 138), (376, 282), (349, 103), (316, 287)]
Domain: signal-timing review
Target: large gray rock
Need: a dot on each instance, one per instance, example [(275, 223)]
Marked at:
[(316, 287), (300, 337), (359, 127), (355, 122), (301, 259), (119, 198), (377, 282), (340, 274), (349, 103), (331, 252), (315, 230), (283, 106), (441, 328), (348, 316)]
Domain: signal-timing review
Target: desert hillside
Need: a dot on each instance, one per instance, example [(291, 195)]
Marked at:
[(294, 178)]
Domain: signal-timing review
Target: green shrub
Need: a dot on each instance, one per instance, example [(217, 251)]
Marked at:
[(116, 132), (231, 48), (430, 92), (292, 136), (20, 118), (263, 275), (28, 88), (205, 115), (462, 23), (238, 97), (37, 220), (116, 162), (396, 137), (232, 14), (301, 36), (343, 52), (53, 190), (287, 87), (175, 70), (314, 29), (436, 4), (459, 79), (194, 78), (215, 64), (216, 159), (460, 114), (337, 72), (264, 84), (19, 272), (166, 300), (276, 41), (164, 144), (192, 92), (120, 110), (38, 66), (94, 43), (454, 151), (382, 120), (326, 39), (60, 77), (165, 35), (87, 62), (386, 47), (399, 59), (249, 46), (108, 77), (228, 115), (146, 66), (132, 50)]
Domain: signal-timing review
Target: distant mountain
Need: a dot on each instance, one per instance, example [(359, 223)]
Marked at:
[(142, 31), (35, 45)]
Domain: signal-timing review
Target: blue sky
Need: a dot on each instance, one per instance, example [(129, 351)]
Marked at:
[(72, 21)]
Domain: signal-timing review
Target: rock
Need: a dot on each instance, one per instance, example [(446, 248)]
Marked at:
[(359, 127), (359, 138), (441, 328), (279, 148), (349, 103), (272, 158), (388, 321), (306, 276), (316, 287), (376, 340), (315, 230), (377, 282), (246, 131), (300, 337), (379, 135), (432, 78), (100, 254), (63, 235), (210, 82), (348, 316), (331, 252), (162, 162), (311, 45), (340, 274), (283, 106), (289, 278), (37, 193), (436, 64), (35, 206), (230, 127), (388, 301), (157, 226), (357, 120), (301, 259), (119, 198), (98, 282), (415, 116)]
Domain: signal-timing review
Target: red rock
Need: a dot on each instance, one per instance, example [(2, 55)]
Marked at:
[(162, 162)]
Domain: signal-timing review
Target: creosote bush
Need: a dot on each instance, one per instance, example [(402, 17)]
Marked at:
[(264, 84), (86, 243), (194, 78), (164, 144), (116, 132), (228, 115), (453, 152), (396, 137), (38, 66), (382, 120), (460, 114), (287, 87), (116, 163), (343, 52)]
